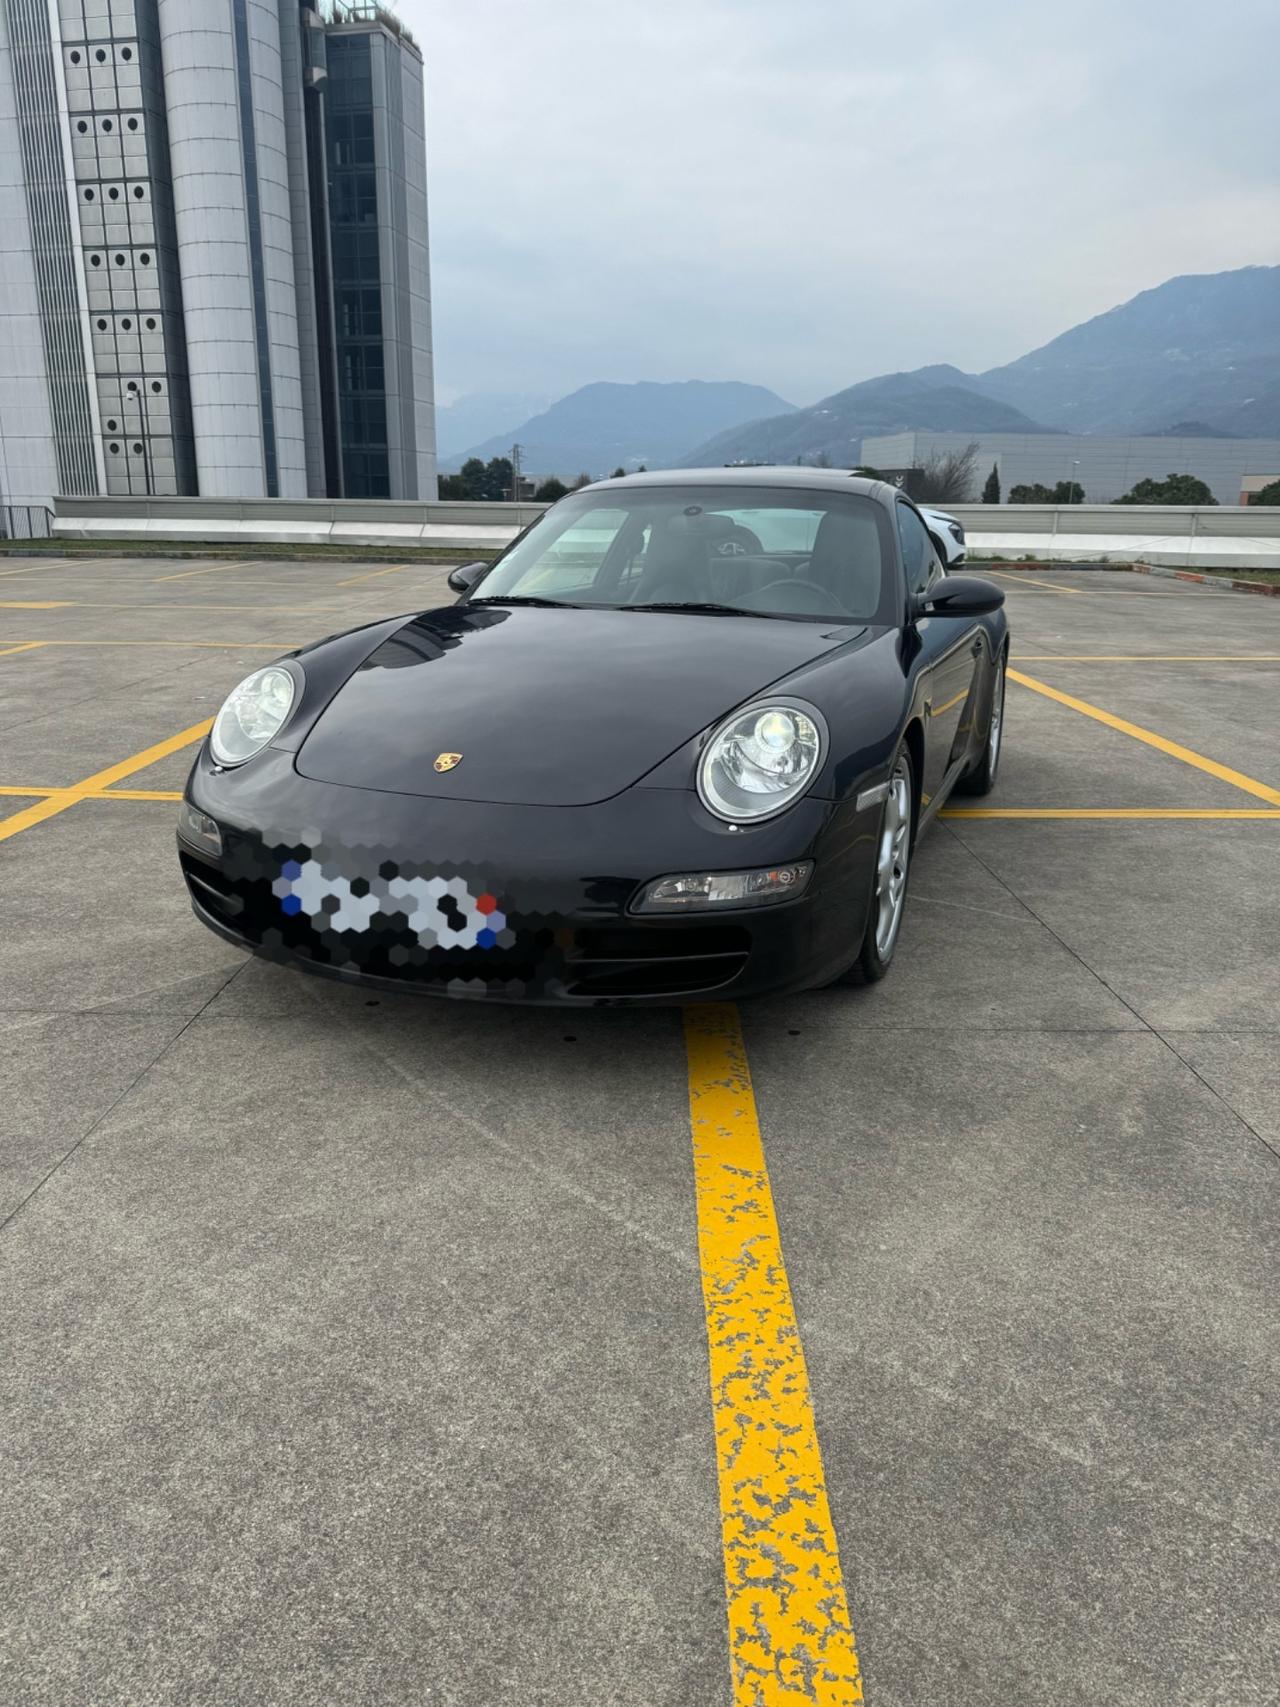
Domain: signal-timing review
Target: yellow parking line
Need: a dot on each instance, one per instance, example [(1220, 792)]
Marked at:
[(1119, 812), (1036, 586), (92, 786), (98, 793), (1224, 773), (789, 1633), (1146, 657), (209, 569), (374, 575), (23, 646), (217, 645), (35, 604)]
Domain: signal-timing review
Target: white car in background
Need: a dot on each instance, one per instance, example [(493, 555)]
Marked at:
[(948, 536)]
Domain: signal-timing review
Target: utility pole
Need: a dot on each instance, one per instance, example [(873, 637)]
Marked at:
[(516, 453)]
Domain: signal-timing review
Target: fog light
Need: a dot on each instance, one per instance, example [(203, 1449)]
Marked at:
[(199, 829), (697, 889)]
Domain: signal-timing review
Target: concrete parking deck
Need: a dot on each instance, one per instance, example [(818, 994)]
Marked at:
[(355, 1350)]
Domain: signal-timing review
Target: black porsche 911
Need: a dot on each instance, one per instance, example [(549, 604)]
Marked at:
[(677, 742)]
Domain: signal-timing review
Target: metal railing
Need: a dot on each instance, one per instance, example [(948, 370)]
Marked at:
[(25, 521)]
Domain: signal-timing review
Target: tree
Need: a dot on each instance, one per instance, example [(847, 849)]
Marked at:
[(991, 491), (1068, 492), (867, 472), (1268, 495), (947, 476), (618, 474), (550, 491), (1173, 489), (580, 482)]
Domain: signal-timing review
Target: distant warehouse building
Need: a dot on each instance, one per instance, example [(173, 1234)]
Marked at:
[(1106, 468)]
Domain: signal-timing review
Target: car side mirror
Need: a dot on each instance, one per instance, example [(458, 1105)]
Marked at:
[(465, 576), (960, 595)]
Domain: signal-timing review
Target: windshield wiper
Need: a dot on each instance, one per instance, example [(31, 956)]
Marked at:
[(525, 599), (704, 607)]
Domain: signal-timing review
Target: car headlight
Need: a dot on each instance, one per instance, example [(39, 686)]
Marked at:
[(761, 760), (252, 715)]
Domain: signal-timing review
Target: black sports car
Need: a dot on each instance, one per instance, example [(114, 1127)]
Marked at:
[(678, 741)]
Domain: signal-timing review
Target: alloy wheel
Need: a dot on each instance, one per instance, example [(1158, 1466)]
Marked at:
[(891, 862)]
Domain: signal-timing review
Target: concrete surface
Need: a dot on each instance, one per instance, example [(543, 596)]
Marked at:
[(353, 1348)]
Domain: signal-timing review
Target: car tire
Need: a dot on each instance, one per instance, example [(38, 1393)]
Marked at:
[(981, 779), (895, 843)]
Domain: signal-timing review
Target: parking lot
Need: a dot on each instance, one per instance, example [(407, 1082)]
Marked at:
[(355, 1350)]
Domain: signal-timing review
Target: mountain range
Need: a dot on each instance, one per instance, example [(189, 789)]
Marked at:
[(1200, 354), (604, 426)]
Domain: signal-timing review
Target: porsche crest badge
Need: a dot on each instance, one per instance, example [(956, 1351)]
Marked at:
[(446, 761)]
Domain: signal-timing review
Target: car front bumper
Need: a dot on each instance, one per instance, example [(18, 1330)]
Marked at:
[(518, 903)]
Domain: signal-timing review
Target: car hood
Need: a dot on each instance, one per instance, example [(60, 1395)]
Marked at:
[(545, 707)]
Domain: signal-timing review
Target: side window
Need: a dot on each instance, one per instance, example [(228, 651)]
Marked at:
[(918, 556)]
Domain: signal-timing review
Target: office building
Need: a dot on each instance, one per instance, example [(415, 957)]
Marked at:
[(1106, 468), (213, 251)]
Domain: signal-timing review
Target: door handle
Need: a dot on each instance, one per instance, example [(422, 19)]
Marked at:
[(976, 648)]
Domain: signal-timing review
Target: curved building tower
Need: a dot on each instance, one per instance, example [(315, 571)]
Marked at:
[(229, 169)]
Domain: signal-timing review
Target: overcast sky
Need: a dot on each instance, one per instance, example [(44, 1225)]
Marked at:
[(803, 193)]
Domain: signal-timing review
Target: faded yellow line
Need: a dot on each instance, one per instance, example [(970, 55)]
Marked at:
[(23, 646), (1208, 813), (92, 786), (99, 793), (1224, 773), (217, 645), (789, 1635), (209, 569), (35, 604), (374, 575), (1036, 586), (1146, 657)]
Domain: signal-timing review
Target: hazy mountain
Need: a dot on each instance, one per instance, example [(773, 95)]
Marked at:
[(482, 415), (940, 397), (604, 426), (1205, 348)]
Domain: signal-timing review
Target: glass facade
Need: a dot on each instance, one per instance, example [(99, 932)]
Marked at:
[(357, 270)]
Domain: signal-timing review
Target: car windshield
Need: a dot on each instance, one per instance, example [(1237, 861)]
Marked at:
[(799, 553)]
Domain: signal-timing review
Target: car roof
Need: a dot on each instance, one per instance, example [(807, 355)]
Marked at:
[(768, 475)]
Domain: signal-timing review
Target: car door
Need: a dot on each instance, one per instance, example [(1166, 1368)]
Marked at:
[(949, 653)]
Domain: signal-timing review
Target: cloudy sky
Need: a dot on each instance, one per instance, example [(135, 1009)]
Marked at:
[(802, 193)]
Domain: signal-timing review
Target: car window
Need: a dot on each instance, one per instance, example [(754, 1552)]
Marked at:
[(918, 557), (788, 552), (777, 530), (574, 558)]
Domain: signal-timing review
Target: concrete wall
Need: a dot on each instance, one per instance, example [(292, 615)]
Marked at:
[(1213, 538), (1106, 468)]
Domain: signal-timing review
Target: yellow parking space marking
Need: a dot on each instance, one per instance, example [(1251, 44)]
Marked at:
[(92, 786), (1036, 586), (99, 793), (208, 569), (217, 645), (23, 646), (1145, 657), (374, 575), (789, 1633), (1224, 773), (1206, 813), (35, 604)]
